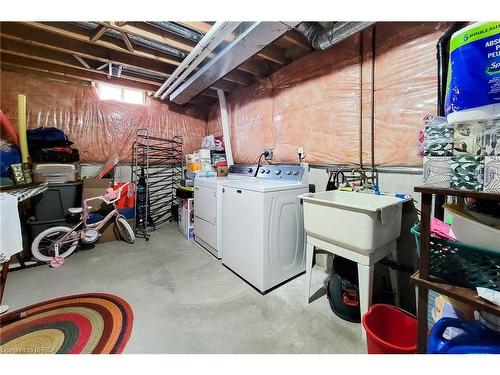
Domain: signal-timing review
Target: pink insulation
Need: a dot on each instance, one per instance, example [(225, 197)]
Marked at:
[(314, 102), (405, 88), (321, 102), (98, 128)]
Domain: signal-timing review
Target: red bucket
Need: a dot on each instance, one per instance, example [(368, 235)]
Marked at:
[(390, 330)]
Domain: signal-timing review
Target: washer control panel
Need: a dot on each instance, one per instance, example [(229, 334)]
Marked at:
[(289, 172), (243, 169)]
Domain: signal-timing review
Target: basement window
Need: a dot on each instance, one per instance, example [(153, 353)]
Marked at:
[(122, 94)]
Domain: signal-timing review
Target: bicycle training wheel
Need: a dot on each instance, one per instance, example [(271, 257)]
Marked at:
[(42, 247)]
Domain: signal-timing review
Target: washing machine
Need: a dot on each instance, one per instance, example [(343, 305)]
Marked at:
[(208, 207), (263, 238)]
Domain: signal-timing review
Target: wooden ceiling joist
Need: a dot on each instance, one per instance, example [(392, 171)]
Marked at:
[(26, 34), (201, 27), (98, 33), (274, 54), (69, 32), (240, 77), (39, 57), (150, 32), (253, 67), (82, 61), (58, 77), (293, 37), (79, 33), (45, 55), (23, 62), (76, 51)]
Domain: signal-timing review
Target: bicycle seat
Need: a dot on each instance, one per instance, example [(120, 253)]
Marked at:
[(77, 210)]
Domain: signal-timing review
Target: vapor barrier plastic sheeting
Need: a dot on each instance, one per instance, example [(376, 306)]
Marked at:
[(314, 102), (98, 128)]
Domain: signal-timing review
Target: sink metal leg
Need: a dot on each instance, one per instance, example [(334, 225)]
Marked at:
[(365, 276), (394, 275), (309, 265)]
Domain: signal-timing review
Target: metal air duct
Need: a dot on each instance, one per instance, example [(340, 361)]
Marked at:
[(325, 38)]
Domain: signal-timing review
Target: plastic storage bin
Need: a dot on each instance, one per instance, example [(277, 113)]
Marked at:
[(460, 264), (53, 203), (57, 173), (390, 330), (471, 231), (34, 228)]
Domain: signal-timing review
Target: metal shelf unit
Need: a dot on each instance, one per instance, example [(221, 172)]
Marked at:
[(159, 161)]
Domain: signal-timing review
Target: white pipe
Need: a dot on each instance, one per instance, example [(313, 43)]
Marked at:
[(225, 127), (194, 52), (219, 38)]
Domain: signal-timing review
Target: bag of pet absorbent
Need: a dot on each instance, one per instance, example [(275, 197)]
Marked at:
[(473, 86)]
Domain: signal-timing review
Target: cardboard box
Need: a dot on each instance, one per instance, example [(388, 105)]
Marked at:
[(186, 217), (110, 233), (439, 140), (492, 174), (489, 139), (467, 172), (437, 171), (94, 187), (222, 171), (468, 139)]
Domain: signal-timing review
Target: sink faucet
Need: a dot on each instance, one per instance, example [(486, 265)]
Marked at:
[(362, 176)]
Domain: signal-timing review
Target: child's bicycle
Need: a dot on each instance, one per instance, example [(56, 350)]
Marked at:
[(57, 243)]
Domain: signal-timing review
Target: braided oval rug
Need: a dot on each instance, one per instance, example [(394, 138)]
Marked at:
[(97, 323)]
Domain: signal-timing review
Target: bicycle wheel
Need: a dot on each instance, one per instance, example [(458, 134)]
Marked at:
[(124, 229), (42, 247)]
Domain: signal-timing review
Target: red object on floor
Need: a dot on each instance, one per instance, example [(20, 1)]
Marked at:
[(390, 330), (128, 196)]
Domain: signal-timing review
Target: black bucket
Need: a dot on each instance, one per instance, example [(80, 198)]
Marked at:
[(343, 290)]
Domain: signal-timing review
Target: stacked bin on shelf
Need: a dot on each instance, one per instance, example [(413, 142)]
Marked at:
[(462, 156)]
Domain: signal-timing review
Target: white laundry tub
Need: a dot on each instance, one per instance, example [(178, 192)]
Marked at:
[(357, 221)]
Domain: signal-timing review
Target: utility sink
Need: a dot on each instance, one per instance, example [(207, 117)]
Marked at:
[(355, 221)]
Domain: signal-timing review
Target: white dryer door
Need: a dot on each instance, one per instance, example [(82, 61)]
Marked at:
[(205, 199), (242, 235)]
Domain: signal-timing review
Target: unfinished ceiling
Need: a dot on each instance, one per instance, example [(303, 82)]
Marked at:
[(147, 51)]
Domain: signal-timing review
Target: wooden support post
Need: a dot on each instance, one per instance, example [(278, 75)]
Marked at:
[(425, 227)]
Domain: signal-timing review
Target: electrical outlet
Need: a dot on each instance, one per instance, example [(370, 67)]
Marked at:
[(269, 152), (301, 153)]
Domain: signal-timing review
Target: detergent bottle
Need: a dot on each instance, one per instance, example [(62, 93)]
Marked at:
[(479, 337)]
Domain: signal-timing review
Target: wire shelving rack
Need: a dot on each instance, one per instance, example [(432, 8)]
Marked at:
[(160, 161)]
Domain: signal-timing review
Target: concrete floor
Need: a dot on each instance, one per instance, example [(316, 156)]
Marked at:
[(185, 301)]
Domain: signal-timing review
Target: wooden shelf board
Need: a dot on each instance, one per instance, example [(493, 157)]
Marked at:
[(457, 193), (466, 295)]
